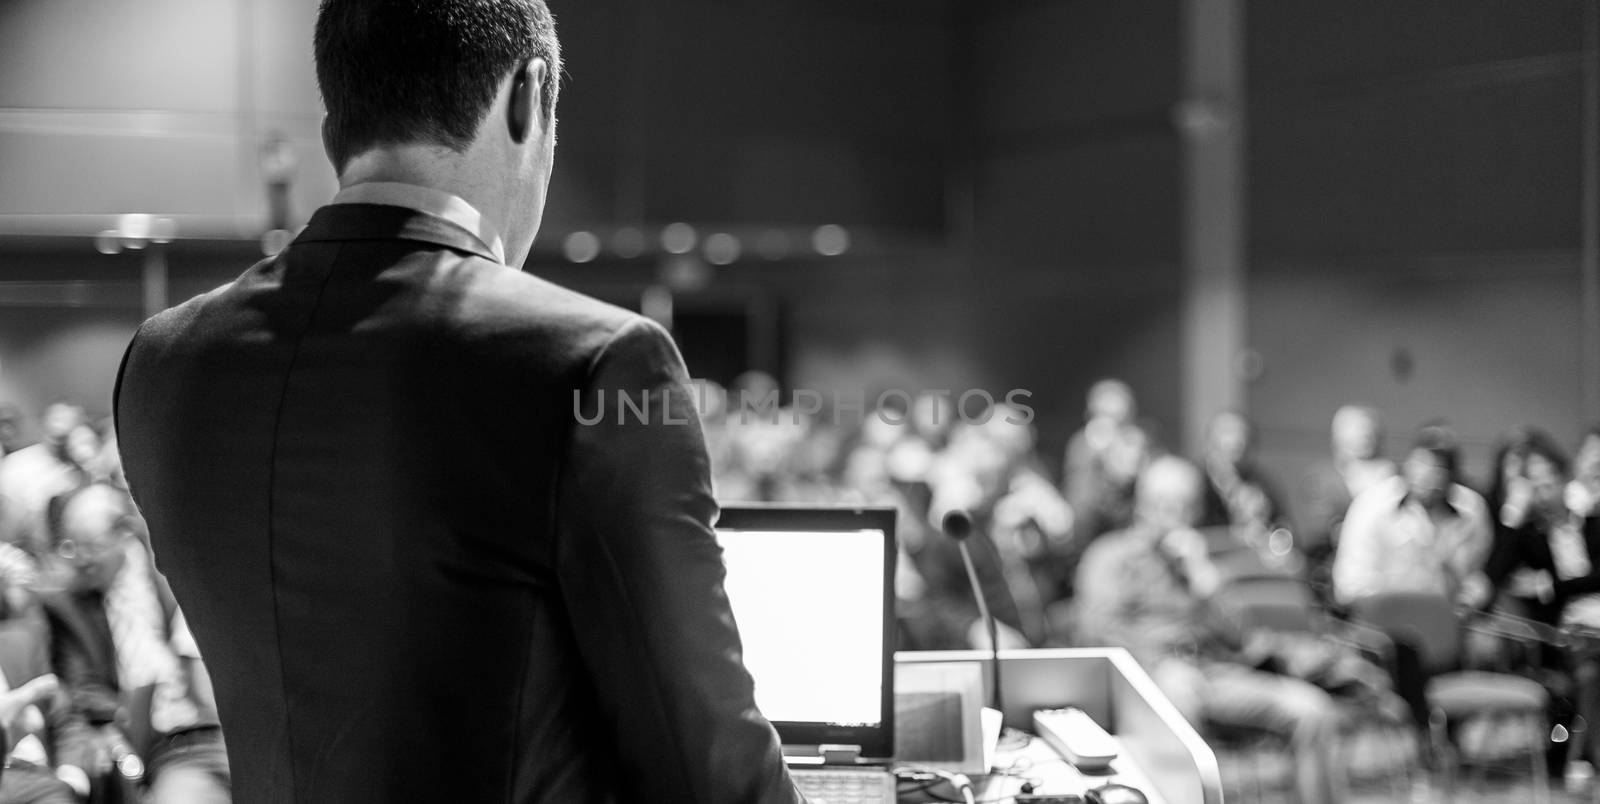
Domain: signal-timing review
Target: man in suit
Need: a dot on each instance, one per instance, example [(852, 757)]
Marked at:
[(418, 565)]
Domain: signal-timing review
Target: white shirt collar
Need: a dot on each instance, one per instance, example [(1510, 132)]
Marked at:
[(428, 201)]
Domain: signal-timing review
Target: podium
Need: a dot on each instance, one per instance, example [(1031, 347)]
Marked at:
[(1161, 754)]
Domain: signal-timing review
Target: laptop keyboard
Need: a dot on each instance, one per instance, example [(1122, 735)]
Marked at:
[(844, 786)]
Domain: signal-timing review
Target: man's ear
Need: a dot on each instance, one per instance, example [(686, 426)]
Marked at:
[(527, 100), (327, 144)]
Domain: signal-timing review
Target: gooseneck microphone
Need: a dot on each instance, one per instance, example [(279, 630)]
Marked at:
[(958, 525)]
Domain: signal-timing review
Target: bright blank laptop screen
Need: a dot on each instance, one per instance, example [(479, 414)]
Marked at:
[(810, 610)]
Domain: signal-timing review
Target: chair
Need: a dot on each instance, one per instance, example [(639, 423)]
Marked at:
[(1580, 645), (1429, 625), (1251, 602), (1283, 604), (1235, 559)]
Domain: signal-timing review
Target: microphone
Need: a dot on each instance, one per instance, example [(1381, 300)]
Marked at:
[(958, 526)]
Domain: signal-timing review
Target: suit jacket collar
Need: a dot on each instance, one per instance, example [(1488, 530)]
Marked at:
[(344, 222)]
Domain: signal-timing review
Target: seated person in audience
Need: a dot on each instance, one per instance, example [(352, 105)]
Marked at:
[(1504, 468), (1506, 477), (1357, 464), (119, 649), (1096, 455), (1583, 493), (33, 708), (1103, 501), (1543, 557), (27, 778), (31, 476), (10, 429), (1546, 559), (1420, 532), (1147, 588), (19, 577), (1239, 496), (1237, 491), (990, 470)]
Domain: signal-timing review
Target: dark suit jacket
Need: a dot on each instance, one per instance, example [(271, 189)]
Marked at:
[(1529, 547), (82, 653), (413, 574)]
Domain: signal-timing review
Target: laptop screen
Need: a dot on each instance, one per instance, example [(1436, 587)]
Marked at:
[(808, 606), (812, 592)]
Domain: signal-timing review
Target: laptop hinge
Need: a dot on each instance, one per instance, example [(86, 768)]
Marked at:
[(840, 754)]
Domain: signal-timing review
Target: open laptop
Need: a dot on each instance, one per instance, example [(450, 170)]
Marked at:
[(812, 589)]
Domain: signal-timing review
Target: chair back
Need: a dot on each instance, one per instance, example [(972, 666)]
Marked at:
[(1267, 602), (1220, 539), (24, 648), (1424, 621)]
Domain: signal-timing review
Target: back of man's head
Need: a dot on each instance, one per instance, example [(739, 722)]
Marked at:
[(424, 71)]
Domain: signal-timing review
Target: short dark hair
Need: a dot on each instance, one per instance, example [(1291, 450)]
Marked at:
[(1540, 443), (396, 71), (1439, 440)]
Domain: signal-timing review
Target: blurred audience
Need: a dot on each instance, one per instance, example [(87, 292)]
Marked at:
[(1127, 548), (1147, 589), (1544, 558), (119, 700)]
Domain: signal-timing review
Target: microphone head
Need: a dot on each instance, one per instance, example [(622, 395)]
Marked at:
[(957, 524)]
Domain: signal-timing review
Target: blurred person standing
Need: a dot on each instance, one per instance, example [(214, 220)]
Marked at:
[(436, 561), (1423, 531), (31, 476)]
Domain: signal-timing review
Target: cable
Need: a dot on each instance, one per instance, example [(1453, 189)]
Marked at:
[(958, 781)]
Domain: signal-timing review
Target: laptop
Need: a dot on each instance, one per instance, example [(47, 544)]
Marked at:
[(812, 589)]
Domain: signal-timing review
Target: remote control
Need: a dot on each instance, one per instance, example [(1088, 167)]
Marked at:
[(1076, 737)]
